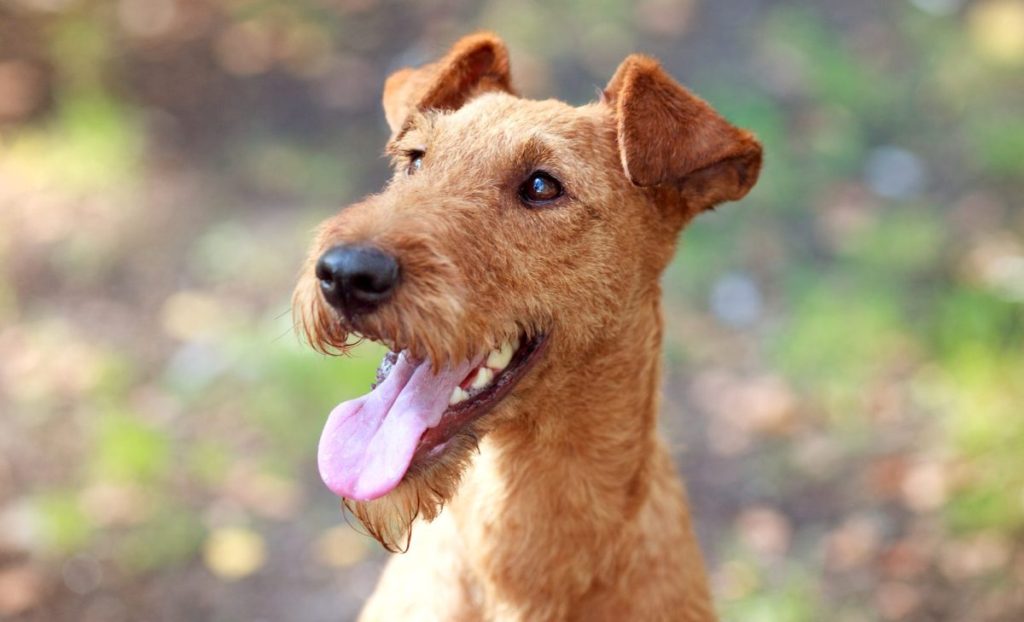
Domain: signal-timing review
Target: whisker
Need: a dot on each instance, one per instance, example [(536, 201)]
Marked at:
[(294, 329)]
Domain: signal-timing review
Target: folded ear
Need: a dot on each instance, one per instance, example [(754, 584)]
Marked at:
[(476, 63), (667, 135)]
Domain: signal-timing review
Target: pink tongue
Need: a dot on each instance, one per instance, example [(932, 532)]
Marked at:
[(368, 443)]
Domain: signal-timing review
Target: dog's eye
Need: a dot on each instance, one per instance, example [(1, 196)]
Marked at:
[(540, 188), (415, 162)]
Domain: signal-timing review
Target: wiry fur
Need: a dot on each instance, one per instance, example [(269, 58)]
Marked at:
[(422, 496), (562, 502)]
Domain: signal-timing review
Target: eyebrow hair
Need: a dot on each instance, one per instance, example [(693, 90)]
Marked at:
[(417, 120), (534, 151)]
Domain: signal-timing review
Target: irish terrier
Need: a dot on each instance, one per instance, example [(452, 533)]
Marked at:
[(511, 266)]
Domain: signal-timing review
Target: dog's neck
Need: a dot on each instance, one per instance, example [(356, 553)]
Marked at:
[(571, 476), (585, 435)]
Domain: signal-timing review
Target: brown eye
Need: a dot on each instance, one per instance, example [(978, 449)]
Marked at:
[(415, 162), (540, 188)]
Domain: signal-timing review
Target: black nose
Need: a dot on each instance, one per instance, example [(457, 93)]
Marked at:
[(356, 279)]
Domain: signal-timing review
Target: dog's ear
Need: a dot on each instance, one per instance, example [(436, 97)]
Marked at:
[(476, 63), (667, 135)]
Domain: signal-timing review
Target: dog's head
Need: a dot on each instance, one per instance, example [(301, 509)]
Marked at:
[(514, 235)]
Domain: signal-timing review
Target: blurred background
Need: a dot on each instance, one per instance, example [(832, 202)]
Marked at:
[(846, 346)]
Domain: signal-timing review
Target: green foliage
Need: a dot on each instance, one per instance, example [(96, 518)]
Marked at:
[(127, 449), (999, 142), (275, 167), (92, 143), (838, 337), (835, 75), (208, 461), (902, 243), (974, 327), (785, 597), (63, 526), (171, 539), (985, 506)]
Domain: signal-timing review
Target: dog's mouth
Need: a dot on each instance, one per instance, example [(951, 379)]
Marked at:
[(412, 412)]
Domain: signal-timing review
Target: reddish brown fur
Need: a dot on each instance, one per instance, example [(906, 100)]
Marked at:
[(571, 508)]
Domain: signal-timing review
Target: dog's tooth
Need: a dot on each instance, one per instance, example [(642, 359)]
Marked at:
[(484, 377), (499, 359), (458, 395)]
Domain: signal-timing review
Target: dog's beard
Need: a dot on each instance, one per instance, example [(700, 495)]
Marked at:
[(421, 495)]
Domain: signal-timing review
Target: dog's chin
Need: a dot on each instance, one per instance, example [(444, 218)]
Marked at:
[(422, 494), (444, 450)]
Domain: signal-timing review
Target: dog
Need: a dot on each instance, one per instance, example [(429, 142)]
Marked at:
[(511, 265)]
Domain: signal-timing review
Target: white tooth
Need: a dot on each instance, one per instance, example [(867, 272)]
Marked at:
[(499, 359), (484, 376), (458, 395)]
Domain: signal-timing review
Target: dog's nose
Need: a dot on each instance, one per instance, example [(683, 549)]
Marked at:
[(356, 279)]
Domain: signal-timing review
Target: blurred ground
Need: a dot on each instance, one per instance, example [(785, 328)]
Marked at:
[(846, 346)]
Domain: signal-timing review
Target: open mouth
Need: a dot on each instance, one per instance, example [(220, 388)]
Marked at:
[(413, 411)]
